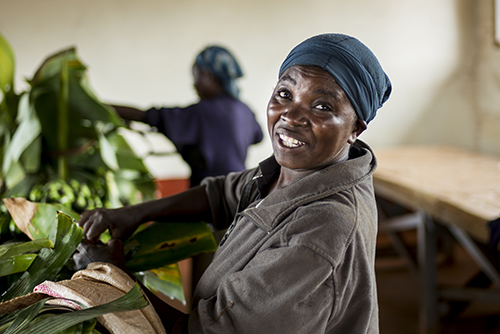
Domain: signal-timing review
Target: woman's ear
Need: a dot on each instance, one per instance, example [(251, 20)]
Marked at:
[(358, 127)]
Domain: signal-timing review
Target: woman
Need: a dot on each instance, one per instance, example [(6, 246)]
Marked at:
[(299, 254), (212, 135)]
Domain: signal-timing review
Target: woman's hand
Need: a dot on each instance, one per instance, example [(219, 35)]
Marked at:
[(121, 223), (88, 252)]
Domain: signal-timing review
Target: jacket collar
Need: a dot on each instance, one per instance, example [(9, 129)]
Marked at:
[(268, 212)]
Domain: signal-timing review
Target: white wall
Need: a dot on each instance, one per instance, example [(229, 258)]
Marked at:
[(140, 52)]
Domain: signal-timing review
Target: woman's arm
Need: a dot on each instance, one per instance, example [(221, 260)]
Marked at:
[(130, 113), (189, 206)]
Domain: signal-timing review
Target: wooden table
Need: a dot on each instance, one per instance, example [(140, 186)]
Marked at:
[(458, 188)]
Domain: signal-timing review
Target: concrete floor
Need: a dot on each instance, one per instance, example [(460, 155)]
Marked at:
[(399, 293)]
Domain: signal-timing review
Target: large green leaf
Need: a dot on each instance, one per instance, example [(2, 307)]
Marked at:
[(18, 248), (25, 317), (127, 158), (29, 129), (108, 154), (166, 280), (162, 244), (133, 300), (84, 110), (14, 174), (16, 264), (66, 235), (36, 220), (7, 65)]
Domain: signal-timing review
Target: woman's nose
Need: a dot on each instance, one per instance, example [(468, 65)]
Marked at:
[(295, 116)]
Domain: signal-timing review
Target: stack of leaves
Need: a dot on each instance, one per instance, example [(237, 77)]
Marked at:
[(152, 252)]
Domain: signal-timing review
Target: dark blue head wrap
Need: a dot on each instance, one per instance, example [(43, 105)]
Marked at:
[(225, 67), (353, 66)]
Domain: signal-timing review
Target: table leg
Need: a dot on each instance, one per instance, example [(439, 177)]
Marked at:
[(428, 317)]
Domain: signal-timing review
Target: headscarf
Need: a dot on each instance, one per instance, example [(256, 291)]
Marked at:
[(353, 66), (225, 67)]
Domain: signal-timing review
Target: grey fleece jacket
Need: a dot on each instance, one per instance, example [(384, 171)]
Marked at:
[(300, 260)]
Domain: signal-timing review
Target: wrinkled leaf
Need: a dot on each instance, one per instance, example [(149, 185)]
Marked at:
[(24, 317), (18, 248), (133, 300), (66, 235), (166, 280), (164, 244), (36, 219)]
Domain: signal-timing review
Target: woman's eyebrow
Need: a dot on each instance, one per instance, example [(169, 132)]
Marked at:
[(288, 78), (334, 94)]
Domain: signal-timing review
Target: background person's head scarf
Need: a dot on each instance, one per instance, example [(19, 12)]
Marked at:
[(353, 66), (225, 67)]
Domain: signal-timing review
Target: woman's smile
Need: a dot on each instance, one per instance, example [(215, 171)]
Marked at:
[(310, 119), (290, 142)]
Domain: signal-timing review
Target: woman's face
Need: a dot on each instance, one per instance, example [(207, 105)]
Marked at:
[(205, 83), (310, 120)]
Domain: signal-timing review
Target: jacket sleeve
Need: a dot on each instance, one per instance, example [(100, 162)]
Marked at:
[(224, 193), (282, 290)]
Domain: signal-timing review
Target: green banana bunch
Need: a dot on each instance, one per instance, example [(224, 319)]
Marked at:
[(73, 194)]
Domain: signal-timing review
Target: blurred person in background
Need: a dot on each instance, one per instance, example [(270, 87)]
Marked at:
[(212, 135)]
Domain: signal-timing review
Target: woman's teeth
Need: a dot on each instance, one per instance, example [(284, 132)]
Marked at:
[(290, 142)]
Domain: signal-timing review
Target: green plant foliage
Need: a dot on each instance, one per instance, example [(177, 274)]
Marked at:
[(65, 151), (66, 235), (30, 321), (152, 249), (7, 65), (166, 280), (59, 134), (13, 258)]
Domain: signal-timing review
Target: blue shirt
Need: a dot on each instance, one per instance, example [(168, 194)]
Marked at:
[(212, 135)]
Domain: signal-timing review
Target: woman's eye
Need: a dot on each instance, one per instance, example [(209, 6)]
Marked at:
[(324, 107), (283, 94)]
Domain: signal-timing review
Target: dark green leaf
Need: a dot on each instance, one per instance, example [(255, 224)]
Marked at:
[(18, 248), (66, 235), (7, 65), (133, 300), (16, 264), (166, 280), (25, 317), (108, 154), (163, 244)]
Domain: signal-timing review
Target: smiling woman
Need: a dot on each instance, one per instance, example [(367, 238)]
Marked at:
[(311, 122), (298, 256)]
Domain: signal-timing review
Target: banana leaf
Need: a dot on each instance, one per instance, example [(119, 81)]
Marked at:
[(8, 99), (28, 130), (36, 220), (127, 158), (16, 264), (57, 323), (17, 248), (84, 110), (12, 257), (154, 247), (7, 65), (166, 280), (25, 317), (66, 235), (150, 249)]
